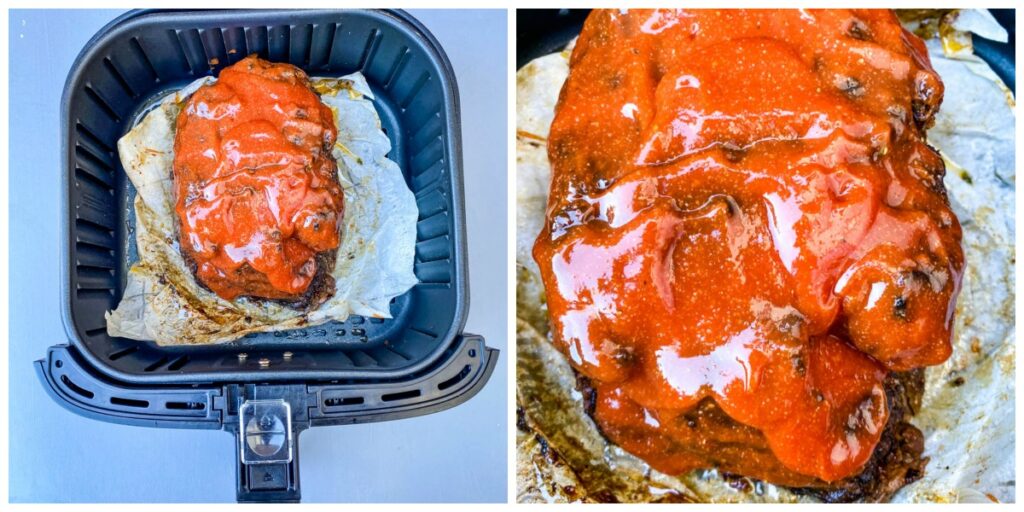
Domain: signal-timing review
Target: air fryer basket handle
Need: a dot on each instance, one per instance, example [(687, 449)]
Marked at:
[(274, 482), (265, 414)]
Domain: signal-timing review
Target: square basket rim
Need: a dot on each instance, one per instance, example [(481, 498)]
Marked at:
[(400, 20)]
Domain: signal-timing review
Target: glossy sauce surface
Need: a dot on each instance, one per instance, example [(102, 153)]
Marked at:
[(743, 208), (257, 192)]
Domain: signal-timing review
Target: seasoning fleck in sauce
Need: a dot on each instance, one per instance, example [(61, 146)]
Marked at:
[(257, 192), (743, 209)]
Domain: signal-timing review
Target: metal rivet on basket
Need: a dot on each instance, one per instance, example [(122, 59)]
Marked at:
[(287, 356), (264, 362)]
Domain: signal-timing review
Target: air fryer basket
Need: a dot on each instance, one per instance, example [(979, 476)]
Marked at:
[(361, 370)]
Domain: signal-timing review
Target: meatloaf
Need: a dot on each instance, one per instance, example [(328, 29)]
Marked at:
[(748, 241), (258, 199)]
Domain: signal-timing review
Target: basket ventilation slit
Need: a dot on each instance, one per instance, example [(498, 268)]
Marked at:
[(97, 236), (85, 134), (404, 395), (278, 43), (175, 37), (456, 379), (434, 272), (159, 362), (432, 250), (397, 352), (91, 224), (397, 68), (186, 406), (89, 179), (235, 44), (192, 42), (178, 363), (102, 103), (96, 278), (309, 45), (349, 400), (214, 48), (96, 162), (128, 402), (331, 53), (370, 50), (362, 359), (256, 39), (423, 332), (144, 58), (119, 77), (76, 388), (93, 332), (331, 35), (123, 352), (416, 89)]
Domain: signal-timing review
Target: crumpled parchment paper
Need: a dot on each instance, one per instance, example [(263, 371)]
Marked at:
[(968, 405), (162, 300)]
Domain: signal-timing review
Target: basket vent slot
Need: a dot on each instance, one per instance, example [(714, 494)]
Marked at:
[(102, 103), (433, 272), (83, 222), (85, 177), (302, 47), (456, 379), (142, 57), (175, 38), (370, 50), (123, 352), (119, 77), (279, 42), (92, 141), (397, 68), (128, 402), (338, 402), (416, 89), (178, 363), (91, 293), (235, 44), (256, 39), (160, 362), (404, 395), (214, 48), (185, 406), (93, 332), (76, 388), (325, 45), (95, 161)]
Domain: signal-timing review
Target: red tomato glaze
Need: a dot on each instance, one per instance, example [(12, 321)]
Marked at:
[(743, 208), (256, 188)]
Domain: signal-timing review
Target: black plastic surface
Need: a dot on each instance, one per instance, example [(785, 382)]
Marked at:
[(74, 384), (142, 55)]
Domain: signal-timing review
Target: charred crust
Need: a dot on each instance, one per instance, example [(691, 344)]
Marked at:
[(897, 459), (320, 289), (896, 462), (588, 392)]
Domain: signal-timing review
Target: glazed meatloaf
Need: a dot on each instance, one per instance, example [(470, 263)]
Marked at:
[(257, 194), (749, 253)]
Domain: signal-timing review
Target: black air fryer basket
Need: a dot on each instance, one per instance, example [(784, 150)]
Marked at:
[(264, 388)]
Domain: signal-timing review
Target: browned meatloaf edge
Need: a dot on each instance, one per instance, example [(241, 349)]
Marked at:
[(896, 461)]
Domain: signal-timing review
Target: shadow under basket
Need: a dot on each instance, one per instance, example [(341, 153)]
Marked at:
[(264, 388)]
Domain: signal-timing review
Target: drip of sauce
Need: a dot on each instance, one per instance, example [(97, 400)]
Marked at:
[(743, 209), (256, 188)]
